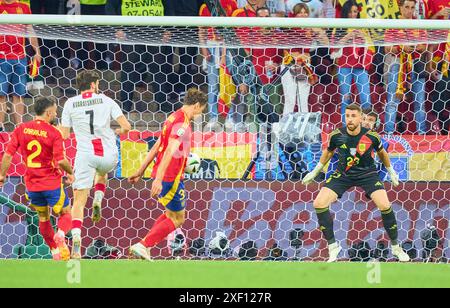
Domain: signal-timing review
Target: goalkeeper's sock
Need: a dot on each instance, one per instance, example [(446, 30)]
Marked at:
[(390, 224), (48, 233), (65, 223), (76, 226), (158, 232), (326, 224)]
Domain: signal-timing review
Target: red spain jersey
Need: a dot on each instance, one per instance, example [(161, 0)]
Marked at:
[(13, 47), (177, 126), (432, 7), (41, 146)]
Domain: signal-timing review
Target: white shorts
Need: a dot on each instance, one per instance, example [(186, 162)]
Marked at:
[(88, 165)]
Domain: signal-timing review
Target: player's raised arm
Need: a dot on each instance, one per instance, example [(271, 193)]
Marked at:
[(148, 159), (384, 157), (172, 147)]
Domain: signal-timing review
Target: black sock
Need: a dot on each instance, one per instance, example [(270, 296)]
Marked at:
[(326, 224), (390, 224)]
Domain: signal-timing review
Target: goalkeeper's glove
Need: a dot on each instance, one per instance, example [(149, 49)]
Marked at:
[(313, 174), (394, 176)]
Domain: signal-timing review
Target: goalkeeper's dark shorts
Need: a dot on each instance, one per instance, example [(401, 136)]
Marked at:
[(340, 183)]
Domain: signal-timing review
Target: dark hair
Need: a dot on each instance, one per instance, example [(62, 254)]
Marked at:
[(347, 7), (353, 107), (370, 112), (264, 8), (41, 104), (402, 2), (299, 7), (194, 96), (85, 79)]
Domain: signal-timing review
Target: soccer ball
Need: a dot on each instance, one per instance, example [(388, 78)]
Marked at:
[(219, 244), (192, 164)]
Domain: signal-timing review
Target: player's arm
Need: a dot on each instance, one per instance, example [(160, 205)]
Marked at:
[(324, 159), (151, 155), (125, 126), (6, 163), (384, 157), (66, 122), (327, 154), (173, 146), (60, 156), (12, 148)]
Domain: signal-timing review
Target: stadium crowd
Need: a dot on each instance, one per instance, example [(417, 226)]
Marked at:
[(407, 85)]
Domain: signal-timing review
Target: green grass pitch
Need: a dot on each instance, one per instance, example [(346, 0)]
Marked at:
[(218, 274)]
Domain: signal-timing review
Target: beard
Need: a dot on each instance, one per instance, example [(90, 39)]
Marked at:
[(351, 127), (54, 122)]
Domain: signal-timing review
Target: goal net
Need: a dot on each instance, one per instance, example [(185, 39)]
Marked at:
[(276, 90)]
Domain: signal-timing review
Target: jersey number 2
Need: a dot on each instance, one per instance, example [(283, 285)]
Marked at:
[(36, 147), (91, 120)]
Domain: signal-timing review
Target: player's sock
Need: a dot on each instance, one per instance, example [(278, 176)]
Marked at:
[(158, 232), (76, 227), (100, 189), (160, 218), (390, 224), (326, 224), (48, 233), (65, 223)]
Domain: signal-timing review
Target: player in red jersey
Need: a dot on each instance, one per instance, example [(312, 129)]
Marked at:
[(42, 149), (171, 152)]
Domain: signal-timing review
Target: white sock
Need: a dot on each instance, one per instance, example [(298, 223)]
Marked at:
[(333, 246), (61, 233), (76, 232), (99, 194)]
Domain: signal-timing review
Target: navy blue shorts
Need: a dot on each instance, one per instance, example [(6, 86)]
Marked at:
[(13, 77), (56, 199), (173, 196)]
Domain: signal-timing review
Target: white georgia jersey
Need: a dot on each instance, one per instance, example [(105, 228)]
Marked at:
[(90, 116)]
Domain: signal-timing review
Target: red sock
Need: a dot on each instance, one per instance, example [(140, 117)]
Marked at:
[(77, 224), (158, 232), (100, 187), (65, 222), (48, 233), (160, 218)]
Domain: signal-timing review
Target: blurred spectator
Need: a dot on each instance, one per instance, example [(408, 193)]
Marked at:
[(55, 53), (404, 67), (187, 68), (212, 56), (95, 52), (298, 80), (257, 79), (353, 62), (13, 62), (276, 7), (439, 63), (140, 59), (316, 7)]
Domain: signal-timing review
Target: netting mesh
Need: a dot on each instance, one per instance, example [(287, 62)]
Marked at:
[(270, 112), (289, 33)]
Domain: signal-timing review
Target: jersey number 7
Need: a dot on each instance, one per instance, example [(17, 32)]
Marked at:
[(91, 120)]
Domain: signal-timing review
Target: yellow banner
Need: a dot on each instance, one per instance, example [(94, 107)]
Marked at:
[(232, 160)]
